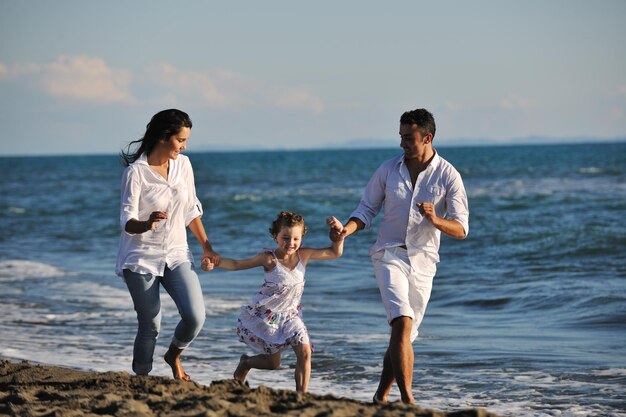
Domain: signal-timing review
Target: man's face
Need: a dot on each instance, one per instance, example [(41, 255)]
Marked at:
[(413, 140)]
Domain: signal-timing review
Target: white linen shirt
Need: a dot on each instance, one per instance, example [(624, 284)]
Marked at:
[(402, 224), (145, 191)]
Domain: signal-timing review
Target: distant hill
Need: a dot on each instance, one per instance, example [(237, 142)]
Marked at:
[(440, 142)]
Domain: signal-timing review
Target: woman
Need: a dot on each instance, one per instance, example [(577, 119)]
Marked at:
[(158, 202)]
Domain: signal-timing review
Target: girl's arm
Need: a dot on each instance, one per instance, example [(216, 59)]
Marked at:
[(323, 254), (334, 251), (238, 264)]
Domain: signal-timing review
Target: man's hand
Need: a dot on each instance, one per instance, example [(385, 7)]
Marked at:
[(427, 210), (449, 227)]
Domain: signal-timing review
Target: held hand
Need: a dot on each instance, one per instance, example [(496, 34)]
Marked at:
[(337, 232), (210, 260), (155, 218), (207, 265), (427, 210), (336, 236), (333, 223)]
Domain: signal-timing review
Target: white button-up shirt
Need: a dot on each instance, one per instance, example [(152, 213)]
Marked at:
[(145, 191), (402, 224)]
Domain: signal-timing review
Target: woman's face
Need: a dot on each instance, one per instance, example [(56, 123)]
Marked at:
[(177, 143)]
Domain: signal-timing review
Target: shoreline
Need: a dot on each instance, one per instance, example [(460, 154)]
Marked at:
[(29, 389)]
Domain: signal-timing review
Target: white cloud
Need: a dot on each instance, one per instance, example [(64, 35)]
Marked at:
[(451, 106), (80, 77), (616, 114), (178, 82), (299, 98), (514, 103), (87, 78), (225, 89)]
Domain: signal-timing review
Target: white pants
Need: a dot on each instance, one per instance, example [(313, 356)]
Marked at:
[(404, 287)]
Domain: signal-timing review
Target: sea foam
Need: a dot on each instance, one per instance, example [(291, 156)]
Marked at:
[(15, 269)]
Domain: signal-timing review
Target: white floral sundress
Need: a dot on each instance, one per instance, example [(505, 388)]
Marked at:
[(273, 319)]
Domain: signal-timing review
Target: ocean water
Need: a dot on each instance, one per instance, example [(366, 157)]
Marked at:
[(527, 315)]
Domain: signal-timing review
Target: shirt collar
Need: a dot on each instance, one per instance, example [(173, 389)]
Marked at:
[(436, 159), (433, 164), (142, 160)]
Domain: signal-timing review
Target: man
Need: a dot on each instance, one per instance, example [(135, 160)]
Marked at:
[(423, 195)]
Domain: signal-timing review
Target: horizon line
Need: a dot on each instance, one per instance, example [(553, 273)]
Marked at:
[(373, 145)]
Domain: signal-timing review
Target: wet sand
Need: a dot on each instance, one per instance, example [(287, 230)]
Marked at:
[(28, 389)]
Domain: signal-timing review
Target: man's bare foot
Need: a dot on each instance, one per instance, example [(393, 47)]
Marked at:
[(242, 370), (173, 360)]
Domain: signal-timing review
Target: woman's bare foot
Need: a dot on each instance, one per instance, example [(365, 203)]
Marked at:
[(379, 400), (242, 369), (172, 357)]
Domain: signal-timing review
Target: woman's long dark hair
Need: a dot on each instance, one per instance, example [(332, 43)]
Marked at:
[(163, 125)]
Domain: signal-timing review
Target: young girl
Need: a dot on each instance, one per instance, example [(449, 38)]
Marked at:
[(273, 319)]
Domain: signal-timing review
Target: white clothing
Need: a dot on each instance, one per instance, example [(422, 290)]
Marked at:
[(272, 320), (405, 291), (402, 224), (145, 191)]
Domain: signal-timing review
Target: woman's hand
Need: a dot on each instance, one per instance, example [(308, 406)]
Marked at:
[(155, 218), (134, 226), (210, 260)]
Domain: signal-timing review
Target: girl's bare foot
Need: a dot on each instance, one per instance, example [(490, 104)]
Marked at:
[(172, 357), (242, 369)]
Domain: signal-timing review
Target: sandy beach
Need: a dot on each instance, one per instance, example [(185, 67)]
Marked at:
[(28, 389)]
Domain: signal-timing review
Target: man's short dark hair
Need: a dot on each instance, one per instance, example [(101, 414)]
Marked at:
[(420, 117)]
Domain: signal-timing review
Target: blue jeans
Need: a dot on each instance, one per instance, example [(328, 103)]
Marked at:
[(183, 285)]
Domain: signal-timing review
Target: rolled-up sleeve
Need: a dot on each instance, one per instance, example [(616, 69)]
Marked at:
[(372, 199), (194, 211), (456, 201), (131, 189), (194, 206)]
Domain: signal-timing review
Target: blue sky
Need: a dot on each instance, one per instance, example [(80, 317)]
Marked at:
[(83, 76)]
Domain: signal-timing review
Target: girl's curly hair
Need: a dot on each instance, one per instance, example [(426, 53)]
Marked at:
[(287, 219)]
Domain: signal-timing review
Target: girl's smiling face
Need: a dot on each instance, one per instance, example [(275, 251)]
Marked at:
[(289, 239)]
